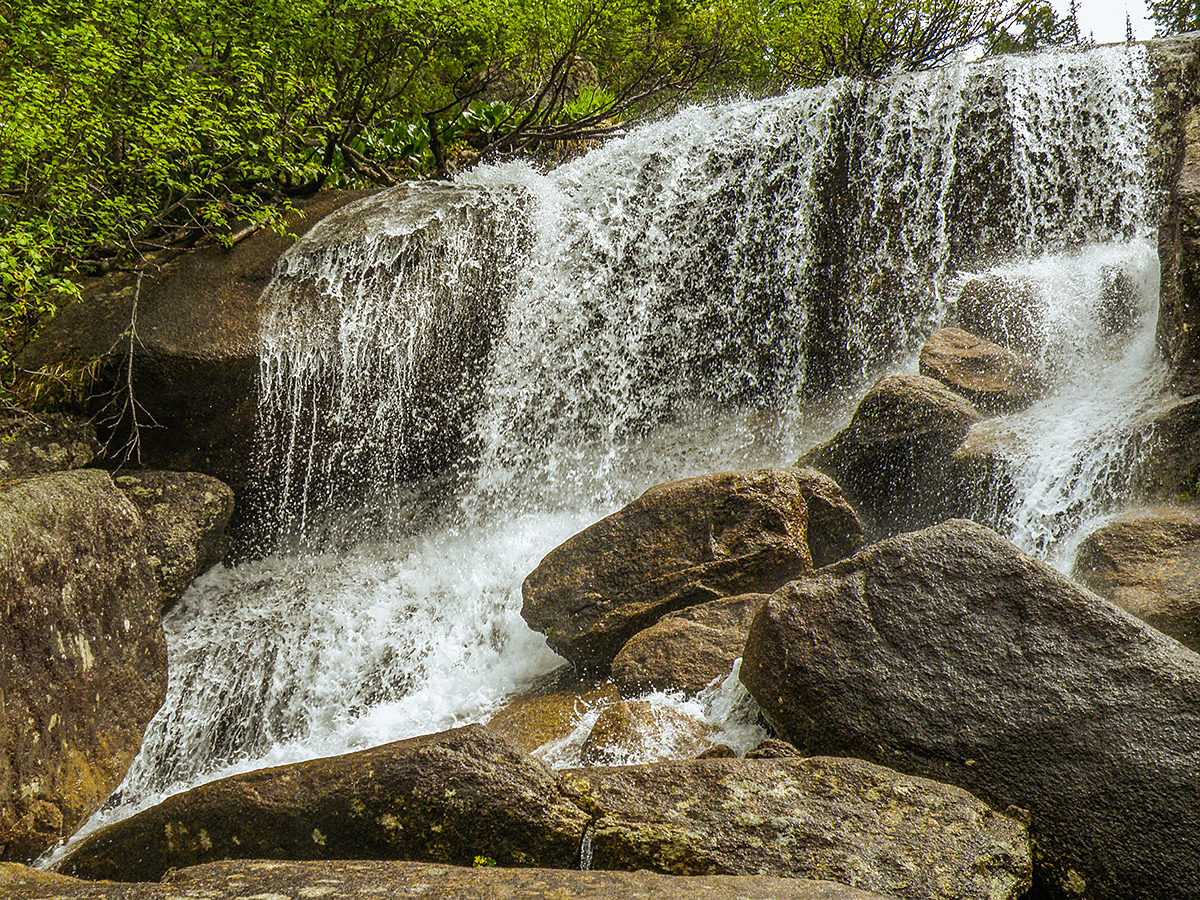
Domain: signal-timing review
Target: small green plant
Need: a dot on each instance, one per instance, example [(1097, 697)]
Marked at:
[(591, 100), (483, 862)]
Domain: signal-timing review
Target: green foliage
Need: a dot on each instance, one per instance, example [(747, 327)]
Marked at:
[(1175, 16), (591, 101), (30, 289), (130, 126), (1037, 25), (482, 862), (809, 42)]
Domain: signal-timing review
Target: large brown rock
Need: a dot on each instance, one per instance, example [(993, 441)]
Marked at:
[(949, 653), (1148, 563), (679, 544), (992, 377), (33, 444), (82, 656), (446, 797), (838, 819), (894, 458), (363, 880), (687, 650), (195, 350), (185, 514)]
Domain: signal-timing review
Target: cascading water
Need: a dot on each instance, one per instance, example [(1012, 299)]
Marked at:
[(461, 377), (1075, 453)]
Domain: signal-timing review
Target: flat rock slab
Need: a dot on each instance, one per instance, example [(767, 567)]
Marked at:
[(446, 798), (83, 660), (1148, 563), (951, 654), (348, 880), (679, 544), (844, 820)]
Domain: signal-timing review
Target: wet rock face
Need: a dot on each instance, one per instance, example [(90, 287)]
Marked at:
[(687, 650), (679, 544), (894, 458), (84, 656), (948, 653), (645, 731), (34, 444), (195, 366), (838, 819), (1172, 464), (992, 377), (352, 880), (1176, 69), (550, 714), (1148, 563), (444, 798), (1001, 311), (376, 340), (185, 514)]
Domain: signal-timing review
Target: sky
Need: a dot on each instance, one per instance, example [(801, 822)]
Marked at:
[(1105, 19)]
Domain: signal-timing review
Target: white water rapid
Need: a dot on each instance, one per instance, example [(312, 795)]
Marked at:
[(486, 372)]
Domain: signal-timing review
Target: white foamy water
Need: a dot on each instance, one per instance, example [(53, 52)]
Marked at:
[(453, 388), (1076, 453)]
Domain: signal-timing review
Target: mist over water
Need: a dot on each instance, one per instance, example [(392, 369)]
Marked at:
[(704, 294)]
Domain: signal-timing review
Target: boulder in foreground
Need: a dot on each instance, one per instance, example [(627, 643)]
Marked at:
[(951, 654), (363, 880)]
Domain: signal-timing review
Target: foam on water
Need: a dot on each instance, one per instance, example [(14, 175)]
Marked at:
[(1075, 454), (671, 304)]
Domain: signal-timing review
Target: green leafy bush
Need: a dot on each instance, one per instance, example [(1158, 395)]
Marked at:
[(129, 126)]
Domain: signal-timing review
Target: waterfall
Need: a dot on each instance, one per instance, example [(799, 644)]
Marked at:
[(455, 379), (1076, 453)]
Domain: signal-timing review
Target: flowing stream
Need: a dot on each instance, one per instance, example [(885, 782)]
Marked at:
[(461, 377)]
